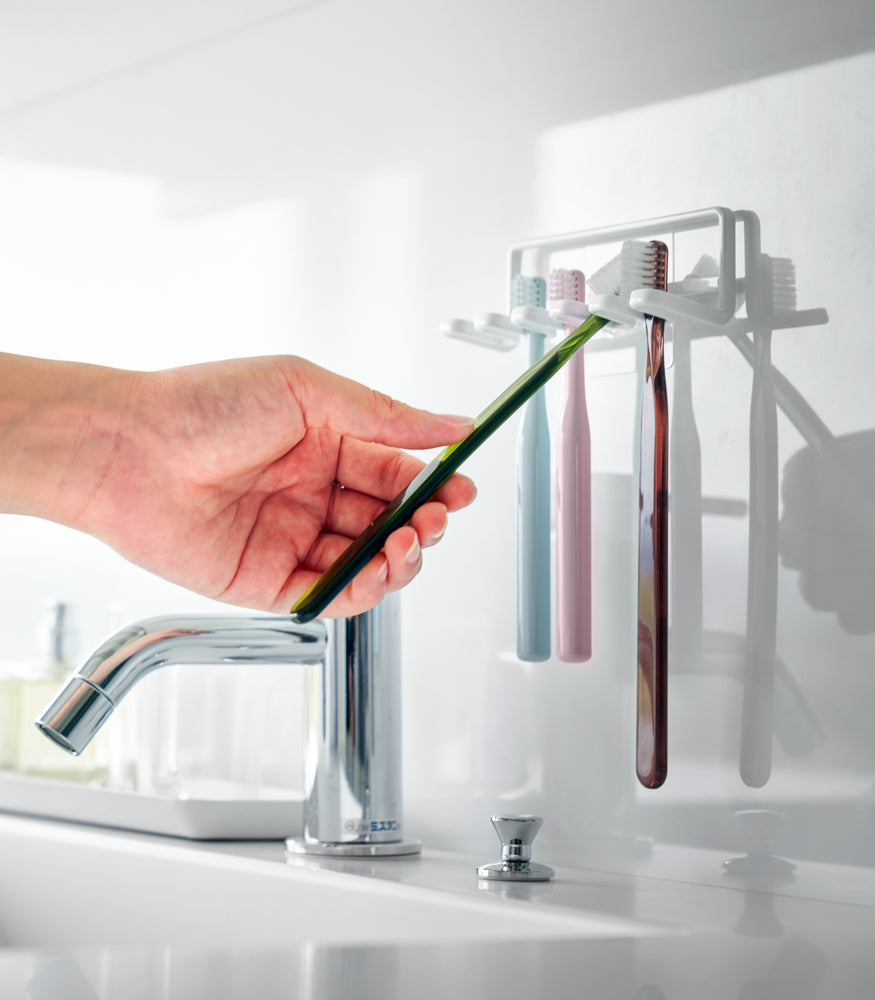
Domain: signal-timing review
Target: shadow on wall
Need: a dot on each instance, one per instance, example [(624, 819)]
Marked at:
[(827, 531)]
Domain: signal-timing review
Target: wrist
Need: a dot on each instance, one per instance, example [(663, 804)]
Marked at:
[(60, 428)]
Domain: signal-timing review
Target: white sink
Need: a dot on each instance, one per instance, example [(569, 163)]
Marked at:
[(63, 885)]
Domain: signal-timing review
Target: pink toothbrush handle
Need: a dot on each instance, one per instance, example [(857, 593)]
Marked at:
[(574, 524)]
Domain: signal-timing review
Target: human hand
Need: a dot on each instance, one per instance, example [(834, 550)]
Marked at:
[(243, 480)]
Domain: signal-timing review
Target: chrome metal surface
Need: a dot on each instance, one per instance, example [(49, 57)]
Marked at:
[(516, 833), (353, 749), (353, 772), (88, 698), (349, 849)]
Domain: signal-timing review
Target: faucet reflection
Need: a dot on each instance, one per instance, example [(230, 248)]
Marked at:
[(353, 751)]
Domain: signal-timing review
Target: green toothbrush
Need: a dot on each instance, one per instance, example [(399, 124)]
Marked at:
[(399, 510)]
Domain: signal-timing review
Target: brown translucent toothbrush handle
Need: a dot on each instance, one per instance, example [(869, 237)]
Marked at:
[(651, 755)]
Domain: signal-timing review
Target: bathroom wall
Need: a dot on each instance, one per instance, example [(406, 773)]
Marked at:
[(205, 202)]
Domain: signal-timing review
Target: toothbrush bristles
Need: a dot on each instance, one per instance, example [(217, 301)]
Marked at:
[(606, 280), (567, 285), (780, 283), (527, 291), (643, 265), (637, 265), (706, 267)]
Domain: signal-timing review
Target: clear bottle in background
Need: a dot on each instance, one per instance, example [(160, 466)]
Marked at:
[(24, 693)]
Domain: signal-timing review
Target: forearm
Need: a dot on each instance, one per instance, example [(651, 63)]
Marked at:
[(60, 425)]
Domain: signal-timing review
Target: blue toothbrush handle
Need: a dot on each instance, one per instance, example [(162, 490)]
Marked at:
[(533, 533)]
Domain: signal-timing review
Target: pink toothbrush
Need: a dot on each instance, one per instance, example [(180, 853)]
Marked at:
[(574, 488)]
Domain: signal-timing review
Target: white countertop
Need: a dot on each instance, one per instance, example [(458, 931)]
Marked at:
[(74, 934)]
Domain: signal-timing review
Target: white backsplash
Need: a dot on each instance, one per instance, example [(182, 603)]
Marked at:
[(131, 270)]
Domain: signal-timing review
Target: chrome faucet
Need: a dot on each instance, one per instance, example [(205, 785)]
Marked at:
[(353, 752)]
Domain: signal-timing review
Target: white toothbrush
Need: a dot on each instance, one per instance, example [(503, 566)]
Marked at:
[(757, 714)]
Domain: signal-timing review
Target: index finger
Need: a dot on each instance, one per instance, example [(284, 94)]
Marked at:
[(350, 408)]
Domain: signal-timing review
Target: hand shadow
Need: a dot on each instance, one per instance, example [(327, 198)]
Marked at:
[(827, 529)]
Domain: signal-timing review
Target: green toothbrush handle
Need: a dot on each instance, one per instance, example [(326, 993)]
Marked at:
[(399, 510)]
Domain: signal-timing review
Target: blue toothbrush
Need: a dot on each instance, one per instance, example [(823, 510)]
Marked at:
[(533, 496)]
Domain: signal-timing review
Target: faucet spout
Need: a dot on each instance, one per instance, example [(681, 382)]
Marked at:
[(89, 697)]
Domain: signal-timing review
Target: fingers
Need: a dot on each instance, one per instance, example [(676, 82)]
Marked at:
[(350, 512), (428, 525), (383, 472), (349, 408), (395, 567)]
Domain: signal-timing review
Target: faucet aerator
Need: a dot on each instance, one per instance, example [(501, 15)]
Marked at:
[(78, 710)]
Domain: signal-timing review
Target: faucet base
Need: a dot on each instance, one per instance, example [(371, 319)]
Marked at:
[(390, 849), (515, 871)]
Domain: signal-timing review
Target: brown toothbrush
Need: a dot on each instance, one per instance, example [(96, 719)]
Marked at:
[(651, 753)]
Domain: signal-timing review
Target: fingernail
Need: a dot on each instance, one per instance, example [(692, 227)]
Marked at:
[(383, 572), (414, 553), (456, 419), (438, 535)]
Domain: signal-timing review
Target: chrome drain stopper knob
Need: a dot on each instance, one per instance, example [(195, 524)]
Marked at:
[(516, 834)]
